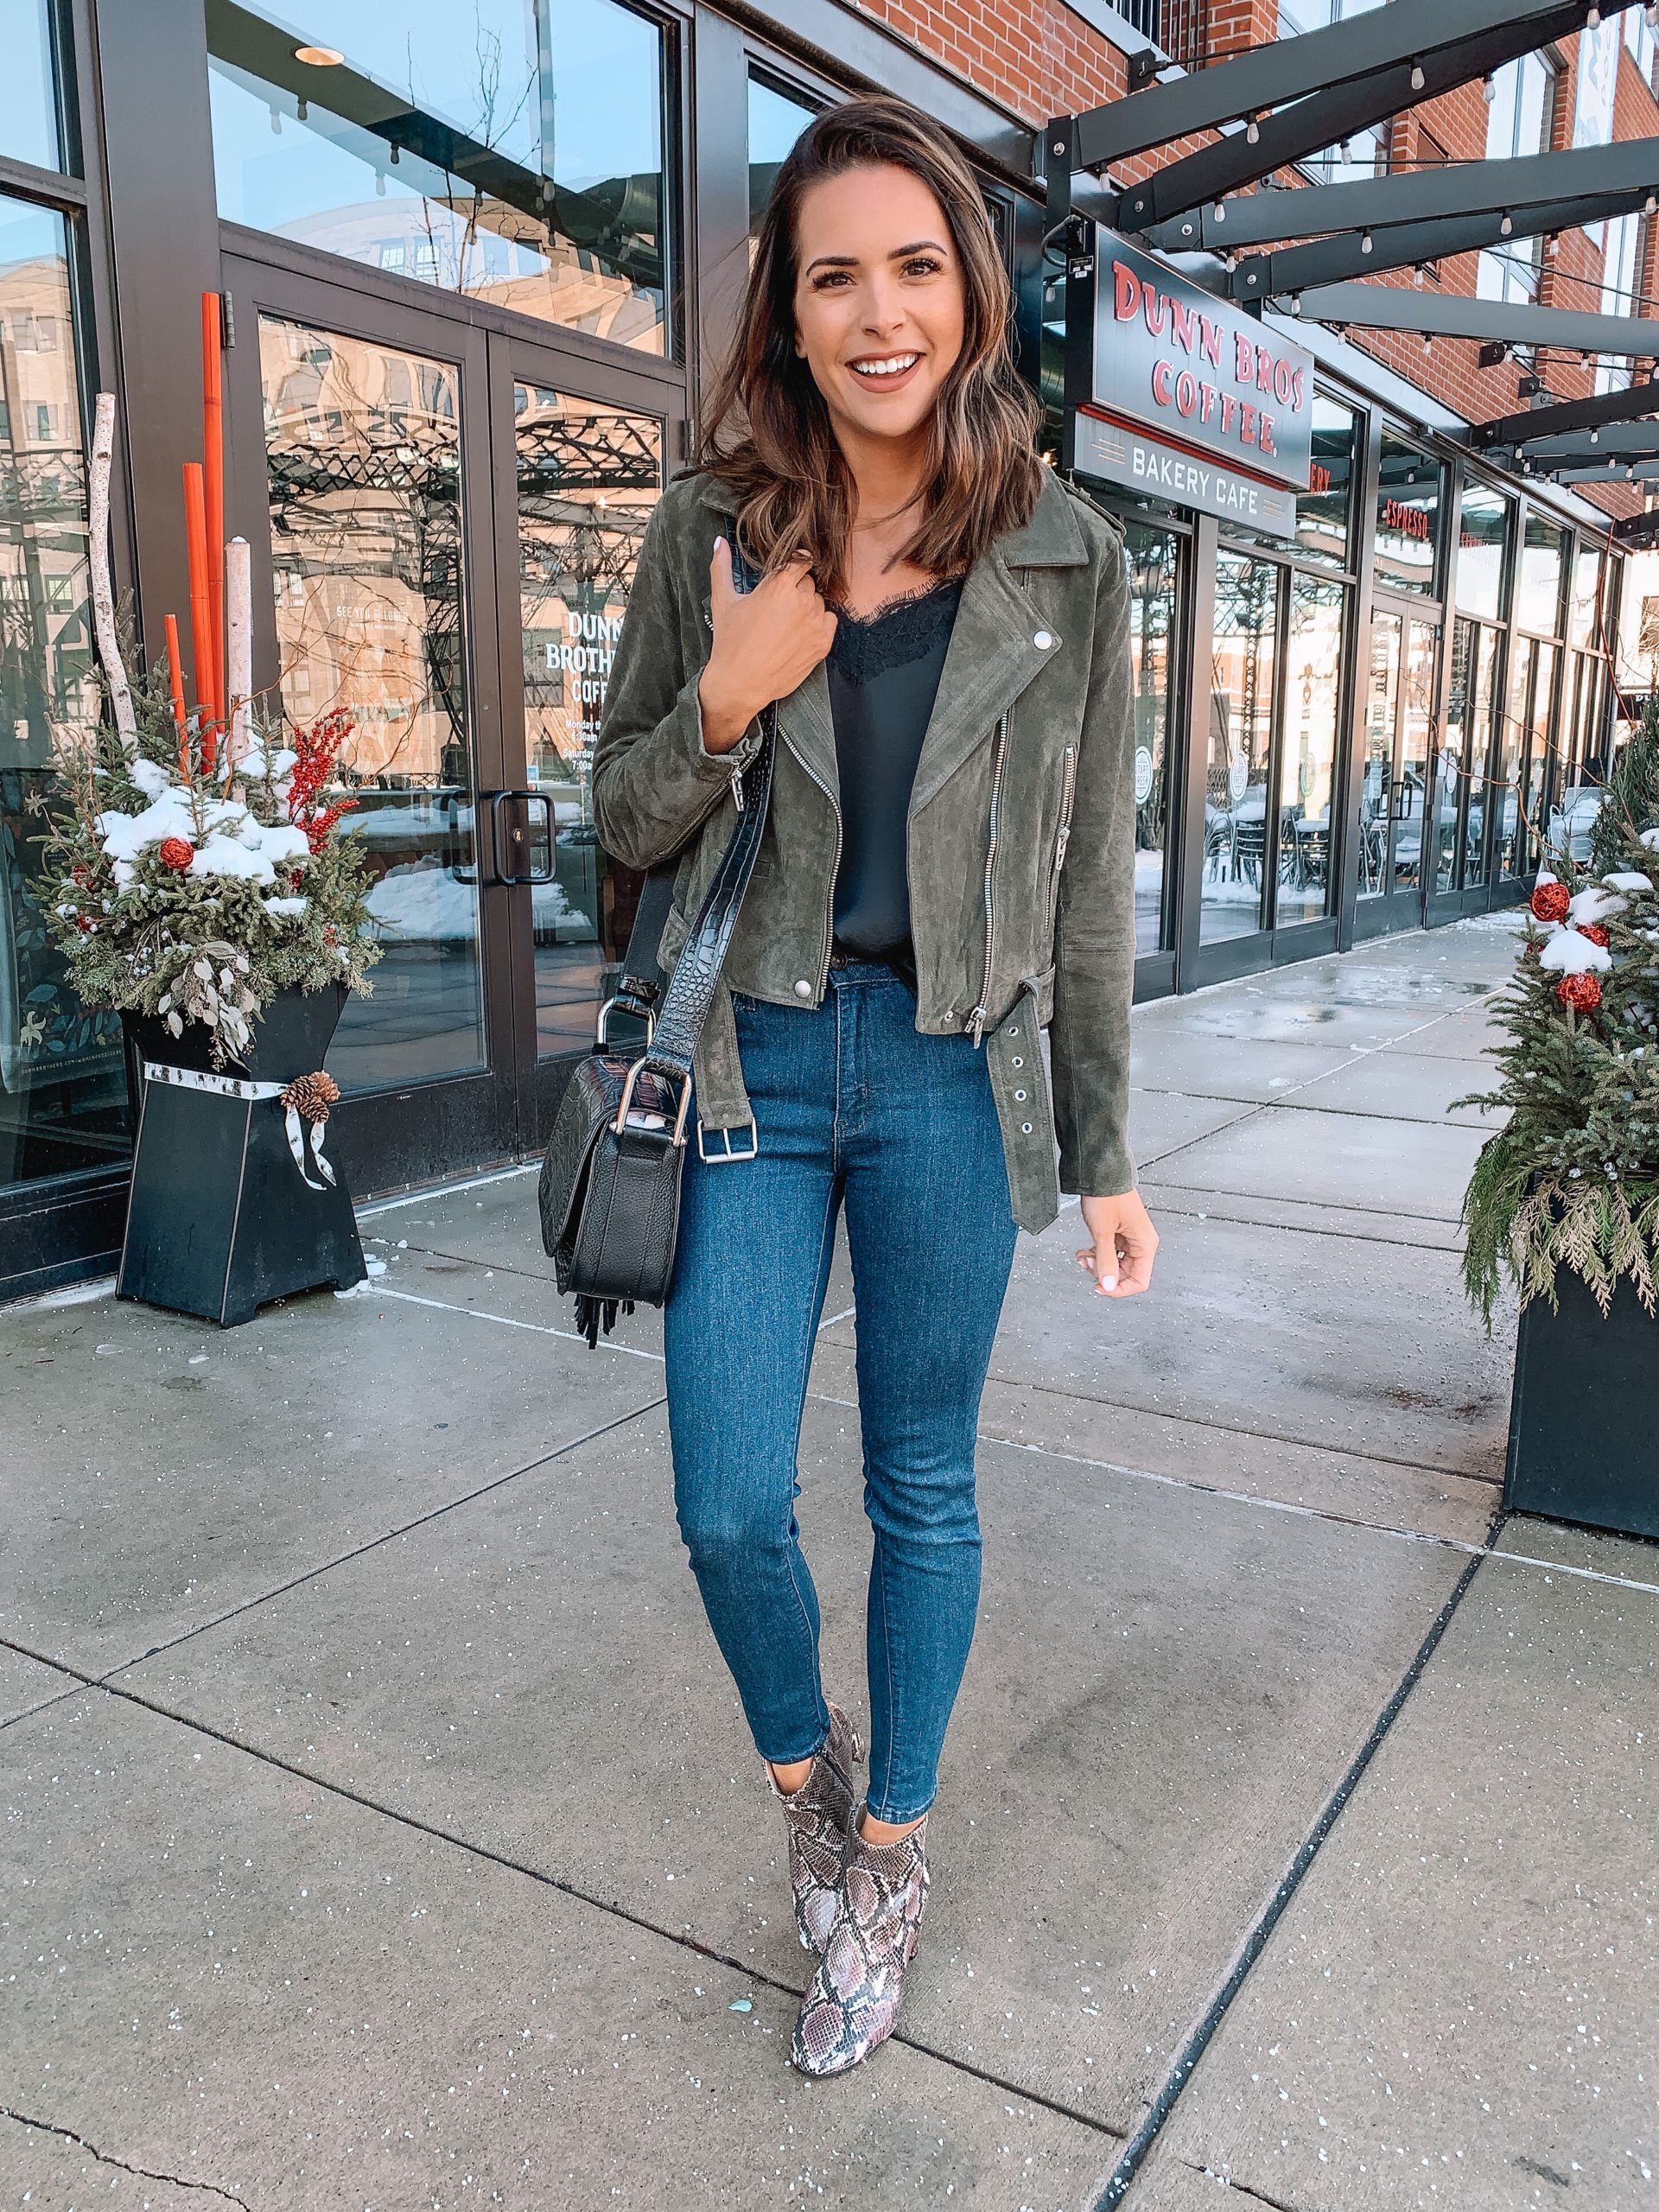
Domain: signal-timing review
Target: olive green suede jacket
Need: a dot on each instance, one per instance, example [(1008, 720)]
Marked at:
[(1020, 829)]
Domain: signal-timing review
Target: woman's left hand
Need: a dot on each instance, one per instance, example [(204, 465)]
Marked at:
[(1120, 1259)]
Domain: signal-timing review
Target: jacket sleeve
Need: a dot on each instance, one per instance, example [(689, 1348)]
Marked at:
[(1094, 952), (654, 780)]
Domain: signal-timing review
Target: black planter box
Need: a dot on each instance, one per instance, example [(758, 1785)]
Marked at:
[(1584, 1445), (222, 1217)]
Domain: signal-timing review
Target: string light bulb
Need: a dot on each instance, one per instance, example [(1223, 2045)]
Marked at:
[(1506, 227), (1365, 242), (1252, 136), (1489, 90)]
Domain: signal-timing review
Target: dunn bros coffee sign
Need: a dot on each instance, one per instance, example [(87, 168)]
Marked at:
[(1190, 400)]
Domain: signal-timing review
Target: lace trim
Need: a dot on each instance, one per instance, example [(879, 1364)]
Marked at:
[(901, 629)]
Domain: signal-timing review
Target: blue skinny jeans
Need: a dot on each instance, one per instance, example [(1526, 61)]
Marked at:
[(853, 1109)]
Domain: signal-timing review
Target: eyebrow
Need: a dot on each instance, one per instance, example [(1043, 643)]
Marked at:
[(850, 260)]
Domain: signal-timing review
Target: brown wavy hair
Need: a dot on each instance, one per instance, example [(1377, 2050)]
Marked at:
[(766, 433)]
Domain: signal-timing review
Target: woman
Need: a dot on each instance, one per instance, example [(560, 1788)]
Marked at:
[(947, 868)]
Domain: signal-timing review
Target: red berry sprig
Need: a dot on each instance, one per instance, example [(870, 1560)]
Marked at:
[(318, 751)]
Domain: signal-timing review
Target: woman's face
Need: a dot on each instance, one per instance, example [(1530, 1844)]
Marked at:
[(879, 284)]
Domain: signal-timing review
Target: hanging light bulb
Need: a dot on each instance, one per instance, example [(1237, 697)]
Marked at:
[(1489, 90), (1417, 78), (1506, 227), (1417, 275), (1592, 21), (1651, 202), (1365, 242), (1252, 136), (1295, 303), (1429, 341), (1595, 437), (301, 109)]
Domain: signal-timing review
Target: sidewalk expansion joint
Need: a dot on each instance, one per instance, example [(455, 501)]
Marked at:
[(104, 2158), (1197, 2042), (755, 1975)]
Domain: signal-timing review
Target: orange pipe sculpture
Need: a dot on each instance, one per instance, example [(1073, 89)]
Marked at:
[(201, 618), (211, 682), (175, 677)]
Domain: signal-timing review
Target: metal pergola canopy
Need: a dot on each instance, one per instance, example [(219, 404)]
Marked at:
[(1624, 406)]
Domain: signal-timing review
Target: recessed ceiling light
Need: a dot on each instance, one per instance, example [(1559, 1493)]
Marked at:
[(319, 57)]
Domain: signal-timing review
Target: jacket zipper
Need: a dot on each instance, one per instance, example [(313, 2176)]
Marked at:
[(834, 870), (1068, 785), (976, 1021)]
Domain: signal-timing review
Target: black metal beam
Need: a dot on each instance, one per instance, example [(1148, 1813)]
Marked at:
[(1366, 253), (1638, 531), (1413, 196), (1618, 442), (1267, 77), (1385, 307), (1625, 406), (1490, 33)]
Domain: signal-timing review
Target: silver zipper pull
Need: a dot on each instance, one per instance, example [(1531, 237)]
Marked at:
[(977, 1025), (737, 789)]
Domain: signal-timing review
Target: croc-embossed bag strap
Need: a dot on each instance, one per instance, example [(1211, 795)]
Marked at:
[(682, 1013)]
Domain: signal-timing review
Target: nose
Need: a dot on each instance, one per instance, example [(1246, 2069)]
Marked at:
[(883, 308)]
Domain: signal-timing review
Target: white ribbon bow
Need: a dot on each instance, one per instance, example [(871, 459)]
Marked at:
[(230, 1086)]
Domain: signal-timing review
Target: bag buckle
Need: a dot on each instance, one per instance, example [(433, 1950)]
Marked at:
[(719, 1158), (646, 1118), (628, 1005)]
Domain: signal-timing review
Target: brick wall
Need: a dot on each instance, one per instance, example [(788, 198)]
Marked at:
[(1039, 58)]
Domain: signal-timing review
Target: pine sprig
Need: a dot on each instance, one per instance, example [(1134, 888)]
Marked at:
[(1572, 1180)]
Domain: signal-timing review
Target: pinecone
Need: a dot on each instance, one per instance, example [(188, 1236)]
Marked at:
[(311, 1095)]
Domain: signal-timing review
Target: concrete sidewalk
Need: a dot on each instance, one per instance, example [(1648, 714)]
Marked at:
[(381, 1829)]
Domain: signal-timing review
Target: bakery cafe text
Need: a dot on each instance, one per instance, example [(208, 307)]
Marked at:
[(1240, 363)]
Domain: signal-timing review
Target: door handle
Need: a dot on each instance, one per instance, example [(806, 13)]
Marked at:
[(515, 838)]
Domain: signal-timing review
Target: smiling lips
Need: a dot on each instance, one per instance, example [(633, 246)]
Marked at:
[(885, 370)]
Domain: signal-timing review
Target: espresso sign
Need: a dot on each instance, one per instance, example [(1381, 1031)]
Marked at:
[(1196, 373)]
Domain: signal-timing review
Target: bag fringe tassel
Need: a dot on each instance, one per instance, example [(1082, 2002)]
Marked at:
[(594, 1314)]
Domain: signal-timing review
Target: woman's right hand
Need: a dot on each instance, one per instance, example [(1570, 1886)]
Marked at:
[(766, 642)]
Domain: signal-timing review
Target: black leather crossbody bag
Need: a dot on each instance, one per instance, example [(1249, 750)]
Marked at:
[(610, 1184)]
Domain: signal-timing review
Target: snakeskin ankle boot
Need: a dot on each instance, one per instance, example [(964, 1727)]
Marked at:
[(818, 1816), (852, 2002)]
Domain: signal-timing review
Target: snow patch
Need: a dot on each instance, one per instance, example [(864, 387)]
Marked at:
[(1572, 955)]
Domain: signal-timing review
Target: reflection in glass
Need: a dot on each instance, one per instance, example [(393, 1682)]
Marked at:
[(1153, 555), (588, 477), (1509, 852), (1416, 734), (1471, 717), (1540, 782), (28, 103), (1483, 539), (776, 121), (1408, 494), (1241, 739), (494, 150), (1576, 800), (1538, 594), (1322, 510), (1376, 766), (363, 445), (63, 1090), (1526, 756), (1307, 755), (1584, 612)]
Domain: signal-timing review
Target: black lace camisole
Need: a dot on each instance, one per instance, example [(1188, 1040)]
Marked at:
[(884, 671)]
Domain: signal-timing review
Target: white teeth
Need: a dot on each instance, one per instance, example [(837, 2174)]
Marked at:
[(885, 368)]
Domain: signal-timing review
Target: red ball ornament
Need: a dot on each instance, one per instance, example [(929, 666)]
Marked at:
[(1550, 902), (1581, 993), (1597, 933), (177, 853)]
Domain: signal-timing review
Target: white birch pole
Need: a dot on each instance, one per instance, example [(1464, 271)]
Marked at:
[(239, 648), (98, 521)]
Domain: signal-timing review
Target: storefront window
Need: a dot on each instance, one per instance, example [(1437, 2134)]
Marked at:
[(1525, 757), (63, 1090), (1471, 718), (588, 477), (1153, 556), (421, 140), (1583, 610), (1538, 596), (776, 121), (1407, 516), (29, 102), (1241, 740), (1323, 511), (363, 455), (1484, 527), (1308, 752)]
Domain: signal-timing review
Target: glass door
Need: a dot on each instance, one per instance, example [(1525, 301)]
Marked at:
[(585, 471), (1470, 759), (1394, 771), (361, 478)]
